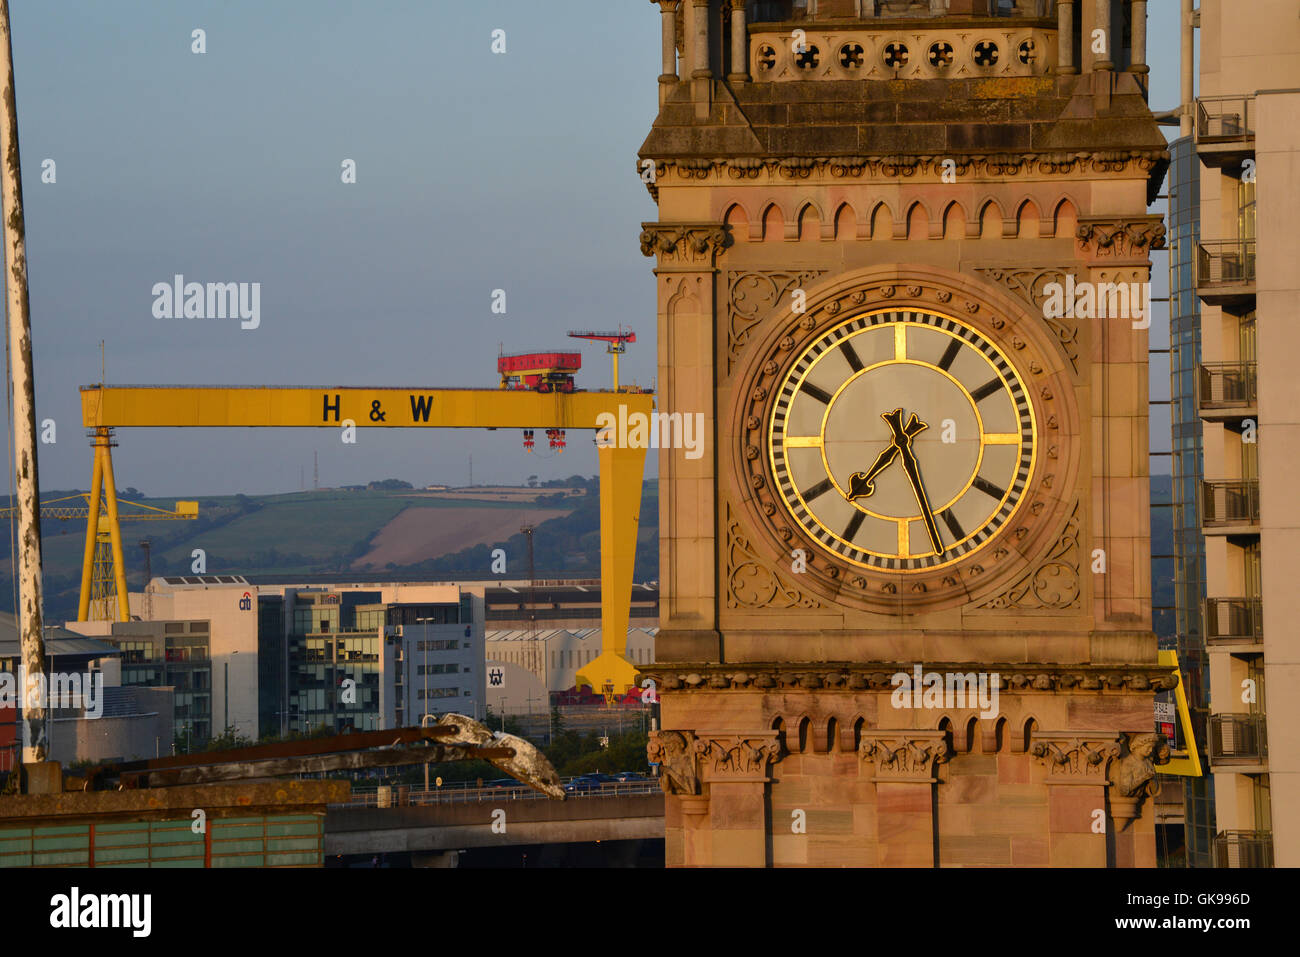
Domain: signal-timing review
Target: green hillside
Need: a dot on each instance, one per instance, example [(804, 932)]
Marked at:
[(325, 532)]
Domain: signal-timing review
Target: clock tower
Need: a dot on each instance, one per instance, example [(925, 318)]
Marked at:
[(902, 257)]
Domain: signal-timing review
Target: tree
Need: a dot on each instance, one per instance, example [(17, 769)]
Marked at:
[(532, 481), (229, 739)]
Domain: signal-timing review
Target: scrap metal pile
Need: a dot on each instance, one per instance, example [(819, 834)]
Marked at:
[(454, 738)]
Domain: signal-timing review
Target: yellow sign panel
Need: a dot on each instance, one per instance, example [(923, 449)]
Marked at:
[(1186, 763), (338, 407)]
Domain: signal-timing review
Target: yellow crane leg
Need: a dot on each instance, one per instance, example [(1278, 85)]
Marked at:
[(621, 472), (92, 523), (115, 534)]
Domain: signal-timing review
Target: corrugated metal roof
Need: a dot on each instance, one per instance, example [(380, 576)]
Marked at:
[(58, 641)]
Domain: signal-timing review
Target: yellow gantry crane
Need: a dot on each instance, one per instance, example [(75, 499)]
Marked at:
[(103, 571), (105, 408)]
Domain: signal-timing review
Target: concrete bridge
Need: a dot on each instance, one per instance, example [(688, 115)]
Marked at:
[(432, 829)]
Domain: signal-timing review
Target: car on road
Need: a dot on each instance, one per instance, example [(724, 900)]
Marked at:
[(504, 783), (630, 777), (589, 782)]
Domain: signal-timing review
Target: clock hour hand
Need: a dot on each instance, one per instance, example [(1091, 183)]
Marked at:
[(863, 484)]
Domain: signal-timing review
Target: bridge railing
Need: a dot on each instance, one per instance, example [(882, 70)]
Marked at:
[(459, 793)]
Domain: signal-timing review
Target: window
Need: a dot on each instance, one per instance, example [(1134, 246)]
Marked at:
[(440, 693), (436, 645), (437, 669), (1245, 210)]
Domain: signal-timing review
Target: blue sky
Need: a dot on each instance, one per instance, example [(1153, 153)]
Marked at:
[(475, 171)]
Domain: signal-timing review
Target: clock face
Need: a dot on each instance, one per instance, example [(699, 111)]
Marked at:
[(901, 440)]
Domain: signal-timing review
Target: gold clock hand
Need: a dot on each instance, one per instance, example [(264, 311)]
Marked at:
[(862, 484), (913, 470)]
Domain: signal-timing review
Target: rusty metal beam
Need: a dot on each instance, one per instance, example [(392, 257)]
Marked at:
[(217, 800), (311, 764), (287, 749)]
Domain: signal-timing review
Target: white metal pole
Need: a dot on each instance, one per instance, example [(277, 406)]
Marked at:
[(31, 603)]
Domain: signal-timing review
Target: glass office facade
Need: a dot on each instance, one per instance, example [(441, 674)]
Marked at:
[(1188, 473)]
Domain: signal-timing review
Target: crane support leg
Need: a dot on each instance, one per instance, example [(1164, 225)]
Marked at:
[(101, 481), (115, 531), (621, 473), (92, 524)]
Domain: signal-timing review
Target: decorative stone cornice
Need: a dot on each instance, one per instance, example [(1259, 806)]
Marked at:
[(737, 757), (1121, 238), (905, 756), (1013, 677), (894, 166), (679, 244), (1123, 762), (1075, 757)]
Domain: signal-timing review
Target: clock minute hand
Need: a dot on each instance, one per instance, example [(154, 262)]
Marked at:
[(903, 438)]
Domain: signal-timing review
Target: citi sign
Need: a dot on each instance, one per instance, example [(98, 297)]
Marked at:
[(246, 603)]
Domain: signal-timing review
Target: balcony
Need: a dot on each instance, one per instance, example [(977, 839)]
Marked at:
[(1239, 742), (1228, 391), (1230, 508), (1243, 849), (1225, 272), (1234, 622), (1225, 130)]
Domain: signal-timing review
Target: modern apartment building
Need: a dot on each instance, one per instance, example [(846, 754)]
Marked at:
[(201, 639), (367, 656), (1248, 143)]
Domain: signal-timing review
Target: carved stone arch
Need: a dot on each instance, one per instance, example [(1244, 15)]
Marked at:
[(681, 299), (804, 736), (954, 221), (845, 224), (881, 223), (918, 220), (831, 740), (1023, 741), (774, 223), (992, 219), (810, 221), (966, 741), (738, 218), (949, 729), (1065, 218), (993, 734), (853, 733), (778, 725), (1028, 219)]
